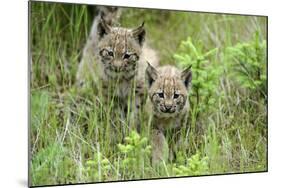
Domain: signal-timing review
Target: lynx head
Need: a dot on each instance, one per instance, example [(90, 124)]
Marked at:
[(168, 89), (120, 49)]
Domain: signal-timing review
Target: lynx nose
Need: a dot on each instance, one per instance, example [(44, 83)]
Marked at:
[(118, 64), (168, 106)]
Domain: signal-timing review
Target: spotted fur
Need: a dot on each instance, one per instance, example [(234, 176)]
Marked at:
[(110, 15), (168, 99), (117, 63), (119, 51)]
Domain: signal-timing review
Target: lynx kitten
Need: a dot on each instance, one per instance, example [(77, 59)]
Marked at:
[(110, 16), (117, 63), (168, 99)]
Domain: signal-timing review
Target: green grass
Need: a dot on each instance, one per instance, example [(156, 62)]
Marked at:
[(72, 139)]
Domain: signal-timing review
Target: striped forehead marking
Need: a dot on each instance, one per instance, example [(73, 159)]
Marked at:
[(120, 43), (169, 86)]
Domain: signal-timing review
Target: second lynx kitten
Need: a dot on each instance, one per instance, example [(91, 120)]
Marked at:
[(168, 99)]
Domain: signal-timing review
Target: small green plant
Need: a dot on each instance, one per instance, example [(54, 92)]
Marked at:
[(195, 166), (205, 75), (248, 62), (135, 153), (99, 167)]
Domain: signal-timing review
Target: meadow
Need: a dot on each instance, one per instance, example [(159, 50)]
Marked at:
[(71, 132)]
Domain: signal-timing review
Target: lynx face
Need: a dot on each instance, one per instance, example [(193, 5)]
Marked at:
[(168, 90), (119, 50)]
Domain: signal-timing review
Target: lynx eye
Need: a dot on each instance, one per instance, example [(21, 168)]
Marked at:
[(105, 52), (130, 57), (126, 56), (110, 53), (176, 96), (161, 95)]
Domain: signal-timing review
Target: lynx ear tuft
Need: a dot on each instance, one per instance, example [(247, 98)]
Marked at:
[(139, 34), (151, 74), (186, 76), (103, 28)]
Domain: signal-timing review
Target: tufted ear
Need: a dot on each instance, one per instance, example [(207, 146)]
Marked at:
[(103, 28), (139, 34), (151, 74), (186, 76)]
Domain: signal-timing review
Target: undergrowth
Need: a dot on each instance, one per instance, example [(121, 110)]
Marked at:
[(72, 140)]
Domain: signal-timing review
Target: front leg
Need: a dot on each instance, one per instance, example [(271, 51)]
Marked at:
[(140, 98), (137, 117), (134, 118), (160, 149), (178, 142)]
